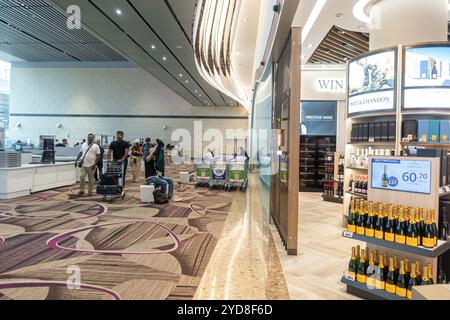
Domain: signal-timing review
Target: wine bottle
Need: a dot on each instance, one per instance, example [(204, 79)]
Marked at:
[(358, 256), (400, 231), (430, 274), (412, 281), (361, 277), (421, 225), (351, 223), (351, 184), (434, 227), (379, 224), (418, 274), (425, 279), (376, 256), (385, 178), (412, 237), (361, 220), (352, 264), (428, 240), (442, 277), (380, 279), (445, 229), (386, 264), (370, 223), (390, 279), (396, 266), (389, 231), (407, 270), (402, 285), (371, 272)]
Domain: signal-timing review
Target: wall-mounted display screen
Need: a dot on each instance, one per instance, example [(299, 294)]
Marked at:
[(318, 118), (401, 175), (372, 83), (427, 77)]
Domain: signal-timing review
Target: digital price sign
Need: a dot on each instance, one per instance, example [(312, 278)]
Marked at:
[(402, 175)]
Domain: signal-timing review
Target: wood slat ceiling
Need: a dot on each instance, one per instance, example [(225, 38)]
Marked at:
[(341, 45)]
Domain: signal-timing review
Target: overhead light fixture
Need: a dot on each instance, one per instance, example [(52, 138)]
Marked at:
[(153, 46), (245, 19), (359, 13), (164, 58), (318, 7), (309, 46), (179, 47), (303, 57), (187, 81), (181, 75), (118, 12), (339, 15), (196, 91)]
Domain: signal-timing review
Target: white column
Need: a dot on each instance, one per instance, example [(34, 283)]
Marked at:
[(407, 22)]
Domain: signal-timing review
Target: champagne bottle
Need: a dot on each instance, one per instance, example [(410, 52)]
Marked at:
[(371, 272), (418, 274), (402, 286), (351, 227), (370, 223), (376, 256), (421, 225), (425, 280), (390, 279), (379, 224), (362, 275), (352, 264), (412, 281), (380, 279), (361, 222), (396, 266), (412, 236), (445, 229), (386, 264), (389, 231), (428, 239), (400, 231), (430, 274), (442, 277), (385, 178), (358, 257), (434, 227), (407, 270)]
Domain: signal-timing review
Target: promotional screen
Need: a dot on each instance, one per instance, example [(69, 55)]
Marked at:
[(402, 175), (372, 83), (318, 118), (427, 78)]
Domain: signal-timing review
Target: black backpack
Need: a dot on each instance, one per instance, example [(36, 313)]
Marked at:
[(159, 197)]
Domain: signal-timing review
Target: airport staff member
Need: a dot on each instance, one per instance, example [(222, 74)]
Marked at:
[(87, 161)]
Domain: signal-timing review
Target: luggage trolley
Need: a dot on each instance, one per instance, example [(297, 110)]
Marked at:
[(219, 176), (202, 174), (237, 175), (111, 184)]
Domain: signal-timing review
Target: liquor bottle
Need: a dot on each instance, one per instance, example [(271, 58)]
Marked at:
[(375, 257), (430, 274), (371, 272), (358, 257), (421, 225), (385, 178), (402, 285), (351, 222), (370, 223), (407, 218), (380, 279), (418, 274), (357, 212), (442, 277), (389, 230), (407, 270), (400, 231), (445, 229), (351, 184), (365, 185), (361, 277), (367, 257), (411, 282), (361, 219), (390, 279), (425, 279), (379, 224), (396, 266), (428, 240), (434, 227), (386, 264), (352, 264), (412, 236)]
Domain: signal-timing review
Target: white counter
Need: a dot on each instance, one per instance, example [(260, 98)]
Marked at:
[(30, 178)]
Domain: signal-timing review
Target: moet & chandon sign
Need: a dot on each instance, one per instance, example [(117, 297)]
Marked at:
[(374, 101)]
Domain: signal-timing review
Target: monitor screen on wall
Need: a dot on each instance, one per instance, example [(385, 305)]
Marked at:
[(372, 83), (318, 118), (427, 77)]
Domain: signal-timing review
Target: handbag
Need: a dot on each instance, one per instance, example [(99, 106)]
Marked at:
[(81, 162)]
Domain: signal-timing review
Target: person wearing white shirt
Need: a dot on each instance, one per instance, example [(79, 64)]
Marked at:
[(87, 160)]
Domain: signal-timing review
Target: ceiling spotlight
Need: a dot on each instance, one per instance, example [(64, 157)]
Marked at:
[(153, 46), (118, 12), (245, 19), (181, 75), (187, 81), (339, 15), (309, 46), (196, 91), (179, 47), (164, 58), (199, 95), (303, 57)]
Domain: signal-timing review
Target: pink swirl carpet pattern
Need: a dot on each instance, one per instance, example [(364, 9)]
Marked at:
[(120, 250)]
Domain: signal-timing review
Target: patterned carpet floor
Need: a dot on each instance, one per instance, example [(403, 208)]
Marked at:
[(57, 246)]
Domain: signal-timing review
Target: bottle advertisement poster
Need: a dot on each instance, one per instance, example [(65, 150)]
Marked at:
[(318, 118), (372, 83), (402, 175), (427, 78)]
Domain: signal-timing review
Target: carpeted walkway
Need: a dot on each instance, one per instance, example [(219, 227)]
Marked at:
[(54, 245)]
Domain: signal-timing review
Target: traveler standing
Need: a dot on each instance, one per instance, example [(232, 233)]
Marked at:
[(119, 150), (99, 171), (160, 161), (146, 152), (136, 159), (87, 161)]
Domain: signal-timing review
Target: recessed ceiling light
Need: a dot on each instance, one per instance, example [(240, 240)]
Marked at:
[(199, 95), (164, 58), (181, 75), (153, 46), (196, 91), (179, 47), (187, 81), (118, 12), (245, 19), (309, 46), (339, 15), (303, 57)]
